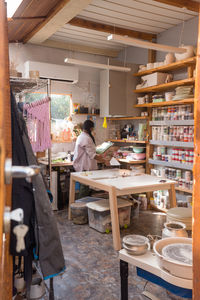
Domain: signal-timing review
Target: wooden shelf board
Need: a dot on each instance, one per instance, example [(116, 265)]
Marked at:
[(176, 65), (172, 122), (132, 162), (126, 118), (129, 141), (172, 144), (166, 103), (165, 86), (170, 164), (183, 190), (153, 206), (85, 114)]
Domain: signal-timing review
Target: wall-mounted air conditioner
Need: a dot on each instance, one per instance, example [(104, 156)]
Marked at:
[(52, 71)]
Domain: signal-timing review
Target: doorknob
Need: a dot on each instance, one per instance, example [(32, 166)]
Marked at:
[(19, 171), (16, 215)]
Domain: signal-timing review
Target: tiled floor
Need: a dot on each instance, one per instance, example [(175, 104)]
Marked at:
[(92, 266)]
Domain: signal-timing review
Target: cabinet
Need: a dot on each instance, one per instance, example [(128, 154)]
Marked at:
[(116, 97), (171, 121)]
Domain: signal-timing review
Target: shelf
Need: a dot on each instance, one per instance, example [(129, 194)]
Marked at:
[(20, 84), (171, 164), (172, 122), (132, 162), (165, 86), (126, 118), (166, 103), (129, 141), (173, 144), (85, 114), (153, 206), (174, 66), (183, 190)]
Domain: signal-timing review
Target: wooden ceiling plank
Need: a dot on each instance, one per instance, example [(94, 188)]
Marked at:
[(61, 14), (128, 17), (110, 19), (188, 4), (80, 48), (79, 22), (30, 8)]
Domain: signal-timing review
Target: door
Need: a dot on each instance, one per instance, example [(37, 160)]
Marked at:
[(5, 152)]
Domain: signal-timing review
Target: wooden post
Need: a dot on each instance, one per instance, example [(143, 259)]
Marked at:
[(71, 195), (196, 174), (114, 218), (172, 196)]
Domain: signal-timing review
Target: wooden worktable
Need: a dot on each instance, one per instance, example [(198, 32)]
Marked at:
[(113, 182)]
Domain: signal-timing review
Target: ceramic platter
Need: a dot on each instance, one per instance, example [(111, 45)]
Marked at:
[(178, 252)]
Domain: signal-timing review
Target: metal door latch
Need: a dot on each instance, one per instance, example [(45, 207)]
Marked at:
[(19, 171), (16, 215)]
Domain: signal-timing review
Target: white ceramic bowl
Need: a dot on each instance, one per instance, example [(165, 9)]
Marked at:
[(175, 268)]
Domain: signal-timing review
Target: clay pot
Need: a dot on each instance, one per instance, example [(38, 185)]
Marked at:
[(169, 58)]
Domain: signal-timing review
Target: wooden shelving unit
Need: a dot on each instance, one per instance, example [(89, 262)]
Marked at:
[(166, 103), (165, 86), (129, 141), (190, 80), (174, 66), (126, 118)]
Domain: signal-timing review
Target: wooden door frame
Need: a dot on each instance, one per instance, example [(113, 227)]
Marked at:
[(6, 268), (196, 174)]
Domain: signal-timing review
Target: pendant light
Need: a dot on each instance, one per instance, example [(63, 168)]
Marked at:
[(143, 44)]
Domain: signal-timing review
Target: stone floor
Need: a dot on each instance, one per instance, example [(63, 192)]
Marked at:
[(92, 266)]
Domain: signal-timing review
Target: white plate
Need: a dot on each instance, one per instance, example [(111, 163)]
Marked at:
[(178, 252)]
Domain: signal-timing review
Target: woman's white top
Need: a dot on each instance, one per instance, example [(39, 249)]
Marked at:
[(84, 153)]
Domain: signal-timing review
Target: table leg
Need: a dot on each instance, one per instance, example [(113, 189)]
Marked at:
[(172, 196), (114, 218), (124, 279), (71, 195)]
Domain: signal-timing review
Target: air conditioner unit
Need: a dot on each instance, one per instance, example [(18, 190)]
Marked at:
[(52, 71)]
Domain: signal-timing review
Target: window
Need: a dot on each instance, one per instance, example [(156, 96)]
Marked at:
[(60, 104)]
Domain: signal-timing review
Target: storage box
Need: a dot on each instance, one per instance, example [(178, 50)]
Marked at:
[(100, 218), (154, 79)]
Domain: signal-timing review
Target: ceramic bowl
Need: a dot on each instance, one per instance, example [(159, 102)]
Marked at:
[(138, 149), (136, 244), (175, 268), (37, 288), (189, 53), (139, 156)]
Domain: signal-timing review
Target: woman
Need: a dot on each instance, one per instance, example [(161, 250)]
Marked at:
[(85, 157)]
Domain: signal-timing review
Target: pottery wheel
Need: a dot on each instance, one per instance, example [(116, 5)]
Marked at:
[(178, 252)]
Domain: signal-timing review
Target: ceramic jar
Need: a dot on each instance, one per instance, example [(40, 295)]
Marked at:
[(174, 229), (189, 53), (169, 58)]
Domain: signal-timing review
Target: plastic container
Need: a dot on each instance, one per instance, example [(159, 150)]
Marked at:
[(100, 218)]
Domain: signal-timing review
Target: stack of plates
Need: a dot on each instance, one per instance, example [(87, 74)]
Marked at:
[(180, 214), (183, 92)]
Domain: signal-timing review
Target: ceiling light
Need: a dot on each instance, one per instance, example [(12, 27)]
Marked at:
[(144, 44), (96, 65), (12, 6)]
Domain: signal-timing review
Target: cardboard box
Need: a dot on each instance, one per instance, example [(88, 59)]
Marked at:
[(154, 79)]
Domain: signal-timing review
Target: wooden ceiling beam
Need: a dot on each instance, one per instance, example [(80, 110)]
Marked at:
[(188, 4), (58, 17), (80, 48), (110, 29)]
